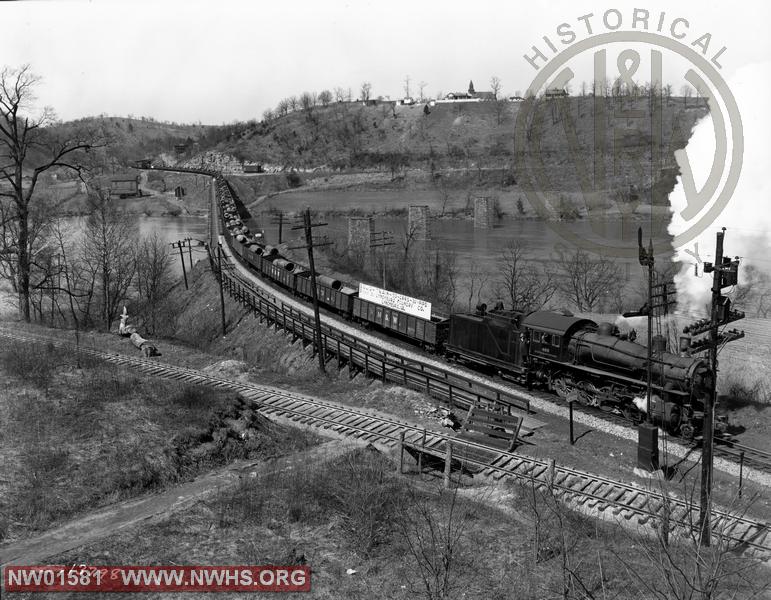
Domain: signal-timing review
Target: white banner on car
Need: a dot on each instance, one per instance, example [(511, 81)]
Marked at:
[(411, 306)]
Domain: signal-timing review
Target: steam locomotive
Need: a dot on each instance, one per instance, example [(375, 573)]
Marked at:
[(576, 358), (579, 360)]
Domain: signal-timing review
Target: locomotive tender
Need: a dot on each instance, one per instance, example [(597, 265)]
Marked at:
[(576, 358)]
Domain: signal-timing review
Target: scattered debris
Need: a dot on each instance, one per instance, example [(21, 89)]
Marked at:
[(126, 330), (228, 368)]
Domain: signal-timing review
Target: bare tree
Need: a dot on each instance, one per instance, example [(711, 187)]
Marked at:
[(558, 542), (29, 148), (495, 86), (585, 280), (306, 101), (527, 287), (686, 91), (293, 103), (675, 564), (476, 284), (109, 253), (282, 109), (500, 109), (325, 97), (422, 86), (407, 86), (753, 293), (339, 94), (154, 278), (365, 91), (435, 540)]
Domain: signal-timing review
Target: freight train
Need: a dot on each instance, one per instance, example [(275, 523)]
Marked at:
[(577, 359)]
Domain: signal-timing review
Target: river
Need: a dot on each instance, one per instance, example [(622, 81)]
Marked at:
[(475, 249)]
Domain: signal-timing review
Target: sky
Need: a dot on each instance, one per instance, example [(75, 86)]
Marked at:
[(216, 62)]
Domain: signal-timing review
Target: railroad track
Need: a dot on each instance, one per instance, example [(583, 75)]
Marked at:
[(448, 384), (724, 447), (740, 453), (594, 494)]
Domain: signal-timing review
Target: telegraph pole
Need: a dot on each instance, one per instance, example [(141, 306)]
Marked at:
[(190, 252), (278, 219), (725, 274), (710, 401), (382, 239), (178, 244), (222, 293), (307, 226)]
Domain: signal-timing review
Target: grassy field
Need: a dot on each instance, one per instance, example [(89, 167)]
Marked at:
[(365, 532), (73, 439)]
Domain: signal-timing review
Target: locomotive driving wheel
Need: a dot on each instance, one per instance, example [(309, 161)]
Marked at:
[(687, 431), (560, 386)]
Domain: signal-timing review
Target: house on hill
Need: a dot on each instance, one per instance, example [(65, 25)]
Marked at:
[(456, 96), (551, 93), (470, 96)]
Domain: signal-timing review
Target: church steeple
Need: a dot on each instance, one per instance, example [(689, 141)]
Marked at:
[(471, 88)]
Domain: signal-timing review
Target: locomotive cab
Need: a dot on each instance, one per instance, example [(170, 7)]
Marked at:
[(550, 334)]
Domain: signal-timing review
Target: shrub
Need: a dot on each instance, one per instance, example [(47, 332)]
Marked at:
[(356, 491), (293, 179), (192, 397)]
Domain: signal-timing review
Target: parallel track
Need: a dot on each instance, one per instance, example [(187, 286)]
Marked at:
[(595, 494), (449, 385)]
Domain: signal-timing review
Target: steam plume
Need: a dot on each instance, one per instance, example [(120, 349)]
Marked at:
[(747, 217)]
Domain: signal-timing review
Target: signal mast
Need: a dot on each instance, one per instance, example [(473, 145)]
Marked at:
[(657, 305)]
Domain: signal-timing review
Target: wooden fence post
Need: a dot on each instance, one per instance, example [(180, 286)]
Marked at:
[(448, 465), (420, 454), (401, 453)]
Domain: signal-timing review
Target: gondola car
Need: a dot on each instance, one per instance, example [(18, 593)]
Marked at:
[(281, 271), (329, 291), (430, 334)]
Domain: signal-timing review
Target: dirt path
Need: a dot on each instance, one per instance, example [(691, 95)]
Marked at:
[(109, 520)]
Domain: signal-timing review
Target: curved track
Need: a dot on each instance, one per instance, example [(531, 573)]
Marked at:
[(449, 383), (593, 493), (600, 496)]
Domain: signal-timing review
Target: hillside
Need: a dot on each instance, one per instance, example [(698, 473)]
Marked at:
[(477, 137)]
